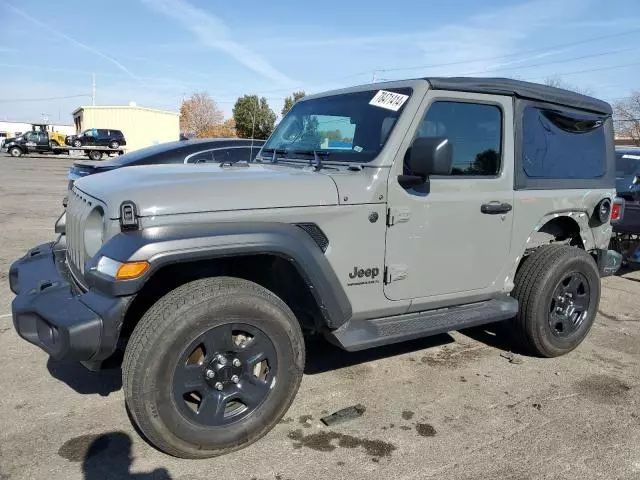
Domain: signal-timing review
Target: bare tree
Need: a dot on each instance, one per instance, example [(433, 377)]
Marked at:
[(627, 118), (558, 82), (199, 113)]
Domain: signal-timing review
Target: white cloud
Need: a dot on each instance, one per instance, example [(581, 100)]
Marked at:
[(77, 43), (212, 32)]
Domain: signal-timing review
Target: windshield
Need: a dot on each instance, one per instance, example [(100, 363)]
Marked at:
[(351, 127), (627, 163)]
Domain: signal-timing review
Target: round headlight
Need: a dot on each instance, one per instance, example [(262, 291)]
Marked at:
[(94, 231)]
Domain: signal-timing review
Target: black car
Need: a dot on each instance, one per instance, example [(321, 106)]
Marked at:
[(185, 151), (99, 137)]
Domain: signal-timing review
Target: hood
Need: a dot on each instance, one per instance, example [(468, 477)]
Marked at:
[(175, 189)]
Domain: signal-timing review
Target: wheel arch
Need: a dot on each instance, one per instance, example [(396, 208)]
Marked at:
[(568, 227), (281, 257)]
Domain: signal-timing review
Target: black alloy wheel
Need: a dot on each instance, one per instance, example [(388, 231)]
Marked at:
[(225, 374), (569, 305)]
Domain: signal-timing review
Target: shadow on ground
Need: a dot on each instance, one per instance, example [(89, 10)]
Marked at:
[(497, 335), (106, 456), (322, 356), (84, 381)]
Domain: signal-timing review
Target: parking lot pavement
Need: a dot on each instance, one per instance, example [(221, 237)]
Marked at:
[(444, 407)]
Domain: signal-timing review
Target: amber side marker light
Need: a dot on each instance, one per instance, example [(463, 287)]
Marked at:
[(129, 271)]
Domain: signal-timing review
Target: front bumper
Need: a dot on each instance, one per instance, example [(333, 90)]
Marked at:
[(53, 312)]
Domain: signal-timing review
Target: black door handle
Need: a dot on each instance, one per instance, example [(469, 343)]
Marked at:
[(495, 208)]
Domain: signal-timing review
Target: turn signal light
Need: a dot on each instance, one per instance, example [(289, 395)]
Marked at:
[(615, 212), (128, 271)]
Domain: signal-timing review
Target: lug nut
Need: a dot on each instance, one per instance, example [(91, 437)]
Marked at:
[(236, 362), (211, 374), (219, 386), (235, 379), (221, 360)]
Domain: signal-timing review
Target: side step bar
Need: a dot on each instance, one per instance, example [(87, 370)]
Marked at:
[(362, 334)]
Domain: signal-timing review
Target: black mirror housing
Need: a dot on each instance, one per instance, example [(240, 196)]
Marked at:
[(430, 156)]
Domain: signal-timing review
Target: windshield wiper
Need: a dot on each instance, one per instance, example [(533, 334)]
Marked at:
[(316, 162), (275, 151)]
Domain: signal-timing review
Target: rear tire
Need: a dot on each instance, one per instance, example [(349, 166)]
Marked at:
[(114, 144), (558, 291), (95, 155), (192, 333)]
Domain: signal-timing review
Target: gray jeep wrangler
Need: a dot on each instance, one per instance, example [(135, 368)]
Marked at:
[(374, 215)]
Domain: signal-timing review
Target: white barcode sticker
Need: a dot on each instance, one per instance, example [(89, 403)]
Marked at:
[(389, 100)]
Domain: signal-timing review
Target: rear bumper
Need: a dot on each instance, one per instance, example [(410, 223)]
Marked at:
[(52, 312), (630, 221)]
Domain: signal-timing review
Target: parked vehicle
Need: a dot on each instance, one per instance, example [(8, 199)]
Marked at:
[(3, 137), (626, 238), (98, 137), (374, 215), (40, 142), (210, 150)]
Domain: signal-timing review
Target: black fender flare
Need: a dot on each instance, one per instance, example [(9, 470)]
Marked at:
[(165, 245)]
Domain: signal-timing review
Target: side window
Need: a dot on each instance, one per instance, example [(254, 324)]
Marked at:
[(562, 145), (207, 156), (474, 131), (239, 155)]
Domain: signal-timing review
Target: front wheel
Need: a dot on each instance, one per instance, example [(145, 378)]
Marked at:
[(212, 367), (77, 143), (558, 290), (15, 152)]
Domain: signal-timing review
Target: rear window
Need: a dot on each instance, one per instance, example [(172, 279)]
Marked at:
[(562, 145)]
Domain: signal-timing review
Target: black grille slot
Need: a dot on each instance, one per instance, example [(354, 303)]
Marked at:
[(316, 234)]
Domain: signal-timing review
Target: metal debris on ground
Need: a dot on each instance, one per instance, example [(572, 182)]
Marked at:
[(344, 415), (512, 357)]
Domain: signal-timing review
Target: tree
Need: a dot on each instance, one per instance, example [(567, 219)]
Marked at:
[(253, 117), (291, 100), (557, 82), (627, 118), (225, 130), (198, 113)]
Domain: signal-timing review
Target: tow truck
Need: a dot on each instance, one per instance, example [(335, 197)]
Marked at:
[(41, 141)]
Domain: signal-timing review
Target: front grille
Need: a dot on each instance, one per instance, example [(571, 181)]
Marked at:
[(78, 207)]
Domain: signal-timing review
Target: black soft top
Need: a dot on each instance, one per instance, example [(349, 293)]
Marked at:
[(518, 88)]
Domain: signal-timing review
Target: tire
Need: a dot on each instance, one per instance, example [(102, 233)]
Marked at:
[(160, 351), (114, 144), (550, 323), (77, 143), (15, 152), (95, 155)]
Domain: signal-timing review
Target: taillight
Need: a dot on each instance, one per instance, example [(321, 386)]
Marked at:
[(615, 212)]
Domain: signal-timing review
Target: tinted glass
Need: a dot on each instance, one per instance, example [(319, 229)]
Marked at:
[(346, 126), (562, 146), (239, 155), (627, 163), (474, 131), (208, 156)]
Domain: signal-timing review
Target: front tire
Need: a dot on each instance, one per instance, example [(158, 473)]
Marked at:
[(200, 370), (15, 152), (77, 143), (558, 291)]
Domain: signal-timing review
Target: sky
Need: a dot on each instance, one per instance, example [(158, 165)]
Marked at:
[(157, 52)]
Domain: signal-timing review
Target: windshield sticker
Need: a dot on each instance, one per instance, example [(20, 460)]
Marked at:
[(632, 157), (389, 100), (358, 149)]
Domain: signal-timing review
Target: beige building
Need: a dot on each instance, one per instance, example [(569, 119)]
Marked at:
[(141, 126)]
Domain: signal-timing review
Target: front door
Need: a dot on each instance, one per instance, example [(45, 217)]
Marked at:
[(450, 239)]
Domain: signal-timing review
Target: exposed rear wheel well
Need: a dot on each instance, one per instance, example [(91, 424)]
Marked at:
[(274, 273)]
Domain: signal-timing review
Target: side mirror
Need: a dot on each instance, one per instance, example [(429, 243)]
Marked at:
[(430, 156)]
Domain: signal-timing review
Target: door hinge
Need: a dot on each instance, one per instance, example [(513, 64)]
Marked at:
[(398, 215), (393, 273)]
